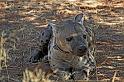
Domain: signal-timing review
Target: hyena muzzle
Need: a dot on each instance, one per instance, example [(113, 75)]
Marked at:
[(71, 49)]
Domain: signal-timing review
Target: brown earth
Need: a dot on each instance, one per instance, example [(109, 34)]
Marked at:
[(22, 22)]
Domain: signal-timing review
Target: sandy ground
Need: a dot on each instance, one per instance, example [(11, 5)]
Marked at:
[(21, 24)]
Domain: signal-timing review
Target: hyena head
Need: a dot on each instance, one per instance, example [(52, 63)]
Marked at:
[(71, 36), (46, 35)]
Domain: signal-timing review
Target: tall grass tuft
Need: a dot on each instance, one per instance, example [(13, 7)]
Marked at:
[(3, 54), (34, 76)]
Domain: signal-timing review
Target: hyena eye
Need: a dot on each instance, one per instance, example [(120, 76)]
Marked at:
[(84, 36), (69, 38)]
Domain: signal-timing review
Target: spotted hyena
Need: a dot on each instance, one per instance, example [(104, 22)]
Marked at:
[(71, 48)]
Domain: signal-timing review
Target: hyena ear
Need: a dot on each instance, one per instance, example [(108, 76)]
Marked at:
[(49, 26), (79, 18), (52, 26)]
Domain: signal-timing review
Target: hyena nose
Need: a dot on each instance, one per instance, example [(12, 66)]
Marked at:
[(82, 48)]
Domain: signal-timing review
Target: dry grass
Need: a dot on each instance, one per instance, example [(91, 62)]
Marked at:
[(3, 55), (37, 76), (113, 79)]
